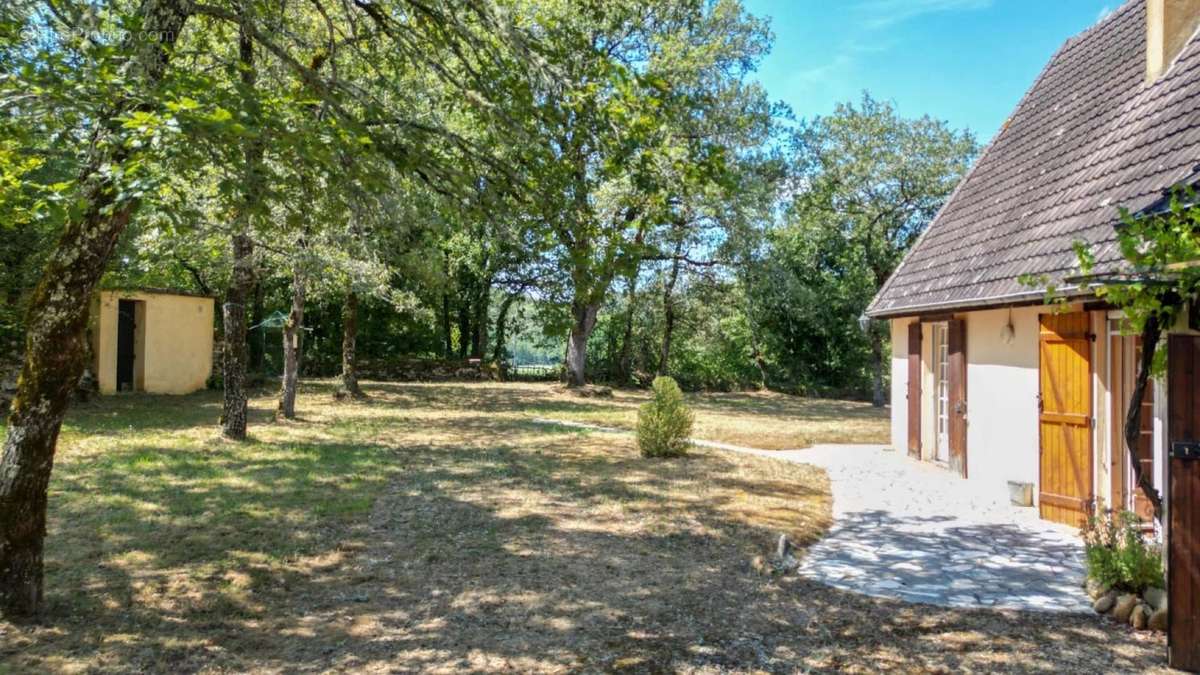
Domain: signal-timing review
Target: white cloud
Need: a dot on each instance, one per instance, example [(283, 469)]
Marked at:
[(1104, 12), (884, 13), (841, 66), (865, 37)]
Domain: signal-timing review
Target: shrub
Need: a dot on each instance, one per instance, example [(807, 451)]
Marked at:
[(1119, 556), (665, 423)]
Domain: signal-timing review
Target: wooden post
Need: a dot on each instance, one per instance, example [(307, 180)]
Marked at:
[(914, 390), (1183, 507), (957, 338)]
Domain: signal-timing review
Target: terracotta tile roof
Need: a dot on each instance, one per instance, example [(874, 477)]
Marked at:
[(1089, 137)]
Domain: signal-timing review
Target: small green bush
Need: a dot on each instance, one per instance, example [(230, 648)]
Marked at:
[(1119, 556), (665, 423)]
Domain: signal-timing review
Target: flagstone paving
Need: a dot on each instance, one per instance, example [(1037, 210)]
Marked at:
[(908, 530)]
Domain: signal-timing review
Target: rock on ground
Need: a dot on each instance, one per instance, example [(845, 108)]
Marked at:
[(1158, 620), (1156, 598), (1124, 607), (1140, 616)]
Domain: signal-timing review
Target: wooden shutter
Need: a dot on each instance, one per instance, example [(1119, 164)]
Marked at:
[(1065, 418), (914, 389), (1183, 511), (957, 347)]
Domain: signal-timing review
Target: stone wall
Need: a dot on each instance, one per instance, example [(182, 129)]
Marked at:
[(427, 370)]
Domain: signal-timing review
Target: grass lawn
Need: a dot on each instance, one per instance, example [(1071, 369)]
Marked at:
[(765, 420), (435, 528)]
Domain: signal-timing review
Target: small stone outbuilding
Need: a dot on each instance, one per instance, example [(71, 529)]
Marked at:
[(153, 341)]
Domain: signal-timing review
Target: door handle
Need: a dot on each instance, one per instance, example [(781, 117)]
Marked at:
[(960, 407), (1185, 450)]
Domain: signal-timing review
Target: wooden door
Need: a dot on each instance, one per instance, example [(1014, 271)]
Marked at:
[(957, 341), (914, 389), (126, 328), (1065, 418), (1183, 509)]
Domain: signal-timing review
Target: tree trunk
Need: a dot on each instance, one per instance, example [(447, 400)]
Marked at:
[(1151, 333), (258, 341), (625, 359), (479, 334), (585, 321), (464, 329), (349, 346), (756, 354), (664, 352), (301, 337), (54, 361), (501, 327), (757, 357), (447, 334), (56, 325), (877, 396), (291, 348), (233, 415)]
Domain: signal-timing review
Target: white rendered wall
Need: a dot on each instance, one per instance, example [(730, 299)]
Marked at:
[(1002, 389), (900, 384)]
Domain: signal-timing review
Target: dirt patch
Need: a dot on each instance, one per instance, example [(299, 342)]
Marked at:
[(586, 391)]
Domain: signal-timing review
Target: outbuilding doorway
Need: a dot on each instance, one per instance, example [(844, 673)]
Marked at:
[(130, 339)]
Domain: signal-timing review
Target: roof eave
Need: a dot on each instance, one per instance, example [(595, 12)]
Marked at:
[(1033, 297)]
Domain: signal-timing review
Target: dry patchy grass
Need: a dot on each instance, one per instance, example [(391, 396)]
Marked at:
[(435, 529), (766, 420)]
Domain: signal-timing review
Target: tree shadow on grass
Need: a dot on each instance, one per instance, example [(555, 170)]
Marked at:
[(775, 404), (473, 542), (139, 413), (493, 397)]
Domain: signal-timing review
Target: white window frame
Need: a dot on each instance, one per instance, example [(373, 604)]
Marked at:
[(940, 357)]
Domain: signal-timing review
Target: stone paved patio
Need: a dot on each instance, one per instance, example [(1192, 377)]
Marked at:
[(907, 530), (913, 531)]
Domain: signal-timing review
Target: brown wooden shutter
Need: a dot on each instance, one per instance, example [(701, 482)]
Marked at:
[(1183, 511), (914, 389), (957, 344)]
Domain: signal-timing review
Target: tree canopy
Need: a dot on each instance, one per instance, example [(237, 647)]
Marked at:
[(601, 186)]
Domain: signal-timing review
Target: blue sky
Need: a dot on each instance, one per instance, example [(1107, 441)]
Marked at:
[(964, 61)]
